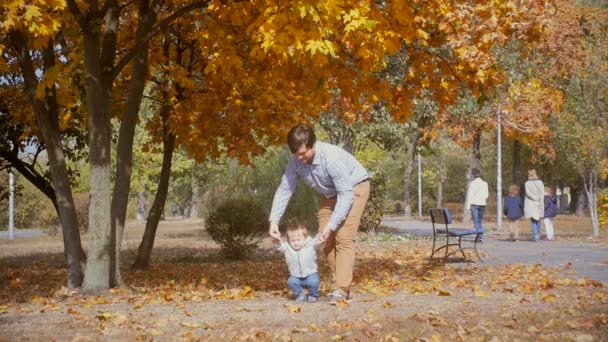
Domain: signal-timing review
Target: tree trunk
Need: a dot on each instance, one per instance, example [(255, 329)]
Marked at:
[(474, 163), (195, 195), (407, 175), (157, 209), (581, 198), (48, 122), (141, 206), (440, 194), (591, 191), (124, 150), (98, 88), (517, 179)]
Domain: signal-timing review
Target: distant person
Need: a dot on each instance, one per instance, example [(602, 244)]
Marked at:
[(513, 210), (534, 207), (477, 198), (550, 202), (300, 252), (343, 185)]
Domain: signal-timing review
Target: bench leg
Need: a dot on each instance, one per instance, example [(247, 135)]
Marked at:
[(475, 246), (433, 251), (460, 247), (447, 244)]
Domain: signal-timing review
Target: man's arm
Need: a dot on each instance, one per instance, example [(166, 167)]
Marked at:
[(281, 198)]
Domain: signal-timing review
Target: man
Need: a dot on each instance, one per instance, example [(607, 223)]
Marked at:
[(342, 183), (477, 198)]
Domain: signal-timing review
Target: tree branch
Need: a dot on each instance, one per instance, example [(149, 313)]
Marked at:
[(161, 26)]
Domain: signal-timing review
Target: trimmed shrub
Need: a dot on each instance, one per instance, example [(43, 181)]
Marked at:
[(602, 208), (237, 225), (374, 209)]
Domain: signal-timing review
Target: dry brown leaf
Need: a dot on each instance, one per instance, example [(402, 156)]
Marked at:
[(549, 297), (292, 308), (156, 332), (388, 305), (190, 324)]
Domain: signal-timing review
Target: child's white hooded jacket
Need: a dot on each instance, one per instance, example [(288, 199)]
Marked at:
[(303, 262)]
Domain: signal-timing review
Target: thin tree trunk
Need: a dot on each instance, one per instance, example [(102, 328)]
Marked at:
[(195, 195), (591, 191), (141, 206), (581, 198), (48, 122), (124, 151), (440, 194), (157, 209), (517, 179), (407, 175)]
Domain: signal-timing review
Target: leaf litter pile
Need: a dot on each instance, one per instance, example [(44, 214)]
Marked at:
[(192, 294)]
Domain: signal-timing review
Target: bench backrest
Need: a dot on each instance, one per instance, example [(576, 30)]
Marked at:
[(440, 216)]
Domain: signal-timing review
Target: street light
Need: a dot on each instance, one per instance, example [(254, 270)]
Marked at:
[(419, 183), (11, 205), (498, 173)]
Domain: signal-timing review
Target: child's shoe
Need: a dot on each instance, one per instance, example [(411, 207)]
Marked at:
[(312, 299), (301, 298)]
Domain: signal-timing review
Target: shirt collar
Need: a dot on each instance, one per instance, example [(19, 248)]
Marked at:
[(317, 159)]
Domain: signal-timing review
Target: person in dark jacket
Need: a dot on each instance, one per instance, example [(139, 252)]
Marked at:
[(513, 210), (550, 212)]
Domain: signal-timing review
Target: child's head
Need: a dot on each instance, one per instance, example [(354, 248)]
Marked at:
[(514, 190), (548, 191), (297, 234)]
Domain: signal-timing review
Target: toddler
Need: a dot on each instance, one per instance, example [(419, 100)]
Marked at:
[(513, 210), (550, 212), (300, 252)]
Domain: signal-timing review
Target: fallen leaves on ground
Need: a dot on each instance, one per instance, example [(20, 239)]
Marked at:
[(162, 300)]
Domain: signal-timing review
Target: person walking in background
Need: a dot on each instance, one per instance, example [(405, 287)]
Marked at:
[(477, 198), (513, 211), (550, 202), (343, 185), (534, 207)]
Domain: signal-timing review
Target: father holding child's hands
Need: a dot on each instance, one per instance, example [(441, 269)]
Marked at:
[(342, 183)]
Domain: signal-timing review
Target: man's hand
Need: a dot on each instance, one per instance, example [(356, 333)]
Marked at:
[(325, 235), (274, 231)]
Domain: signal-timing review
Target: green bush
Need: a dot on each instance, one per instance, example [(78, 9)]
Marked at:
[(374, 209), (237, 226)]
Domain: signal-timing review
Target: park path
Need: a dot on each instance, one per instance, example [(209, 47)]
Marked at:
[(582, 257)]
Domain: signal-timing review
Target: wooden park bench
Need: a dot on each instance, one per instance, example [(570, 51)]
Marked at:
[(441, 219)]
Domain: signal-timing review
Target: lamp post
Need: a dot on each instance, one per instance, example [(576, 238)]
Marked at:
[(11, 205), (419, 183), (498, 173)]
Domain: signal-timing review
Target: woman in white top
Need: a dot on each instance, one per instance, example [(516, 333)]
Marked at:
[(534, 206)]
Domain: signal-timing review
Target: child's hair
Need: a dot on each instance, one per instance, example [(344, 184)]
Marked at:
[(294, 226), (513, 189), (548, 190)]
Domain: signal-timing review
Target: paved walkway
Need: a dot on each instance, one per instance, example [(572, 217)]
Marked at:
[(587, 259), (23, 233)]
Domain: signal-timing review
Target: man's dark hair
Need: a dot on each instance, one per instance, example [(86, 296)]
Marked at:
[(298, 135), (476, 173)]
